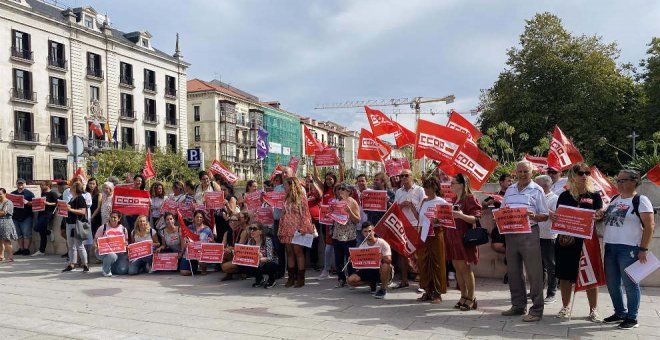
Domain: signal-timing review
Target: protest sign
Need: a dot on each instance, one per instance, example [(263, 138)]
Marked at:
[(339, 213), (218, 168), (62, 208), (573, 221), (169, 206), (186, 209), (324, 214), (38, 204), (265, 216), (326, 157), (253, 200), (293, 164), (245, 255), (194, 250), (393, 167), (365, 257), (374, 200), (212, 252), (275, 199), (512, 220), (17, 200), (111, 244), (131, 201), (165, 261), (443, 212), (214, 200), (447, 194), (139, 250)]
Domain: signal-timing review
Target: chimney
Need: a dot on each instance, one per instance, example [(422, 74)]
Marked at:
[(69, 14), (177, 50), (274, 104)]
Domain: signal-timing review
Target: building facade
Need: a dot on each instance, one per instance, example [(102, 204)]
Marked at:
[(332, 134), (284, 137), (67, 68), (223, 122)]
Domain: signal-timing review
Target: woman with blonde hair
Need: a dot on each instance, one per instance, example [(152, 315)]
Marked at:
[(295, 218), (157, 193), (105, 205), (142, 231)]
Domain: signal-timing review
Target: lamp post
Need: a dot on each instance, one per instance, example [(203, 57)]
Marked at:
[(634, 138)]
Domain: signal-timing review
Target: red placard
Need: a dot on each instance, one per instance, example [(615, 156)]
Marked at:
[(38, 204), (293, 164), (169, 205), (62, 208), (393, 167), (374, 200), (212, 252), (324, 214), (447, 194), (194, 250), (139, 250), (245, 255), (165, 261), (573, 221), (326, 157), (111, 244), (17, 200), (130, 201), (253, 200), (275, 199), (214, 200), (217, 168), (186, 209), (512, 220), (443, 212), (339, 213), (365, 257), (265, 216)]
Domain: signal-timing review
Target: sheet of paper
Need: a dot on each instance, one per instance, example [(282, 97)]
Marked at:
[(638, 271), (303, 240)]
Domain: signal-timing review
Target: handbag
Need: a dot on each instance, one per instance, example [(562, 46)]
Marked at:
[(475, 236), (82, 230)]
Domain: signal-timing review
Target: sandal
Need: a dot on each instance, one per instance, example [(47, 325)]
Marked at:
[(460, 302), (436, 299), (469, 305), (425, 297)]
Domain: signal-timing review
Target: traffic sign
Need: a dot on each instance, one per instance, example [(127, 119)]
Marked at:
[(75, 146), (194, 158)]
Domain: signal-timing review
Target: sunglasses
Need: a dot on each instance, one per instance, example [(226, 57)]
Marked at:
[(253, 229), (624, 180), (553, 172), (583, 173), (404, 175)]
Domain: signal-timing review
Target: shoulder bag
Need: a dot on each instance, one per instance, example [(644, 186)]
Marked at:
[(475, 236)]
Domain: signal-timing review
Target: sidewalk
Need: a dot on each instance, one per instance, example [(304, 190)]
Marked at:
[(37, 301)]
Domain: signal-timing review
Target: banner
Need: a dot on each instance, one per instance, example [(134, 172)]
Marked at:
[(374, 200), (590, 270), (606, 189), (262, 143), (148, 171), (111, 244), (403, 136), (443, 212), (311, 144), (186, 209), (365, 257), (62, 208), (447, 194), (438, 142), (212, 252), (131, 201), (253, 200), (562, 152), (395, 228), (217, 168), (275, 199), (17, 200), (38, 204), (265, 216), (327, 157), (293, 164), (139, 250), (474, 163), (540, 164), (379, 122), (245, 255), (573, 221), (459, 123), (654, 174), (194, 250), (324, 214), (512, 220), (339, 213), (165, 261), (214, 200), (371, 148), (169, 205)]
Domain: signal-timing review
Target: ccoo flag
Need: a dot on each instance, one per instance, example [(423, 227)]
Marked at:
[(474, 163), (395, 228), (562, 152), (458, 122), (403, 137), (438, 142), (380, 123), (371, 148), (262, 143)]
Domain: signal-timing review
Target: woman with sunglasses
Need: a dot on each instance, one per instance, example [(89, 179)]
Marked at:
[(628, 235), (239, 235), (581, 193), (267, 260), (294, 217), (205, 234), (467, 211)]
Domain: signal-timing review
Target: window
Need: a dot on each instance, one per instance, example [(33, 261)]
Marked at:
[(24, 166), (56, 54), (89, 21), (57, 92), (22, 85), (126, 74), (58, 130), (171, 142), (21, 45), (170, 86), (145, 43), (149, 110), (94, 68), (94, 93), (149, 80), (127, 137), (91, 136), (24, 126), (170, 114), (127, 105), (150, 139), (196, 115), (198, 135), (59, 169)]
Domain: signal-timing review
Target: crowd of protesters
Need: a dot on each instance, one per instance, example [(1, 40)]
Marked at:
[(546, 261)]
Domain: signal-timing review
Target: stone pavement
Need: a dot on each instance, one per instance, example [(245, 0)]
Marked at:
[(39, 302)]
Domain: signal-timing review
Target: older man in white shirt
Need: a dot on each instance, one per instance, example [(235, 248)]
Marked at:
[(409, 197)]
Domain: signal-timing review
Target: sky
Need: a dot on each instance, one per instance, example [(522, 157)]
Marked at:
[(310, 52)]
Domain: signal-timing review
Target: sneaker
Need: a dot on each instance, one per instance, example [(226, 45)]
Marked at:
[(341, 284), (26, 252), (38, 253), (324, 275), (550, 299), (628, 324), (270, 284), (564, 313), (380, 294), (107, 274), (258, 283), (373, 288), (613, 318), (594, 316), (451, 276)]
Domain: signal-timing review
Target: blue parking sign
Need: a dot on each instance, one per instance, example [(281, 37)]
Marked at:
[(194, 158)]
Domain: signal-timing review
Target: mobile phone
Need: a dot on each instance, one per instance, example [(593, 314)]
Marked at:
[(457, 208)]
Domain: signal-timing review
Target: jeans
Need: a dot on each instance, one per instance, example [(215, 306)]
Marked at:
[(24, 227), (341, 254), (617, 258), (75, 246), (115, 263), (138, 265), (328, 254), (268, 268), (548, 257)]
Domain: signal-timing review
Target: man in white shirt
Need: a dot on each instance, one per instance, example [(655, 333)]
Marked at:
[(409, 197), (548, 239), (373, 276), (558, 182)]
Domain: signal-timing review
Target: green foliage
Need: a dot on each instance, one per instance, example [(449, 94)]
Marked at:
[(502, 168), (644, 163)]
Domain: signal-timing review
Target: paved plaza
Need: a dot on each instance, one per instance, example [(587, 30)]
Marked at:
[(39, 302)]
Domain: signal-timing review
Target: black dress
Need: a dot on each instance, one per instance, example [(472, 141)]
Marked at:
[(96, 221), (567, 259)]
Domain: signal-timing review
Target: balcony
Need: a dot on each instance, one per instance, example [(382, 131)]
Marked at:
[(57, 141), (127, 82), (170, 93), (198, 138), (100, 144), (57, 102), (126, 114), (128, 145), (150, 118), (150, 88), (24, 137), (57, 64), (23, 96), (22, 55), (170, 122), (94, 73)]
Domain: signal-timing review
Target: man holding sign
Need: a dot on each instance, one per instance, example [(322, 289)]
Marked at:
[(371, 276), (525, 248)]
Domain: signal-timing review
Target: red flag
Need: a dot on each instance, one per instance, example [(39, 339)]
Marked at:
[(404, 136), (603, 185), (458, 122), (438, 142), (540, 163), (95, 127), (217, 168), (380, 123), (475, 164), (278, 170), (371, 148), (131, 201), (562, 152), (185, 231), (590, 270), (148, 171), (311, 144), (80, 173), (654, 174), (395, 228)]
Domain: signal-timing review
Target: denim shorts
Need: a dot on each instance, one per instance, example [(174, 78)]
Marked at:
[(24, 228)]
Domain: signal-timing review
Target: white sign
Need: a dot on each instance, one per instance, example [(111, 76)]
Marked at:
[(286, 151), (275, 147)]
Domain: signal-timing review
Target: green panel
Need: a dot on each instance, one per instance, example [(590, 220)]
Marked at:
[(283, 128)]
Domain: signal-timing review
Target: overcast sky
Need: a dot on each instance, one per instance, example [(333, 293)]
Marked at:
[(309, 52)]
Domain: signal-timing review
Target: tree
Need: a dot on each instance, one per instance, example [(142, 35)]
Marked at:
[(555, 78)]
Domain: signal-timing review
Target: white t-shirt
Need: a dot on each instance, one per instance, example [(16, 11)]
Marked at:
[(622, 226), (385, 249), (423, 220), (415, 195), (544, 227), (559, 186)]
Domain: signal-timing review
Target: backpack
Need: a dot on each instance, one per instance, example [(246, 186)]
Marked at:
[(635, 202)]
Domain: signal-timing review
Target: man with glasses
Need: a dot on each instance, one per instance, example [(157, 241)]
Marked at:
[(409, 197), (525, 248), (558, 182), (372, 276)]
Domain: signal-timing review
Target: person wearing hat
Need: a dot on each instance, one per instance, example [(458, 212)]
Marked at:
[(22, 218)]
